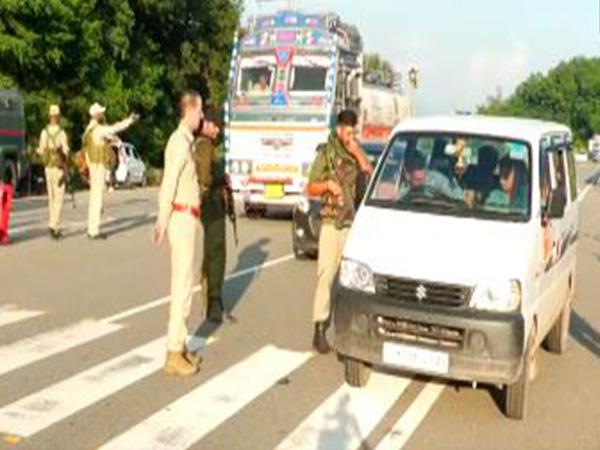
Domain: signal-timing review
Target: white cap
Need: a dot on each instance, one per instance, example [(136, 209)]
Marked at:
[(54, 110), (96, 109)]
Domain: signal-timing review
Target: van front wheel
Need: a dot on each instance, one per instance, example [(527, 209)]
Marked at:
[(356, 373), (517, 393), (556, 340)]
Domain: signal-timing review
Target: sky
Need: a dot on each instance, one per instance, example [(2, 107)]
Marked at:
[(465, 49)]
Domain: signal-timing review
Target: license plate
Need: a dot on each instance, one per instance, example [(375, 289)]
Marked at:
[(419, 359), (274, 190)]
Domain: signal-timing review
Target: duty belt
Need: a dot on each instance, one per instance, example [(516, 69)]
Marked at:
[(193, 210)]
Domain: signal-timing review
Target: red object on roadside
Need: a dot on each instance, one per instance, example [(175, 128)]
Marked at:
[(6, 196)]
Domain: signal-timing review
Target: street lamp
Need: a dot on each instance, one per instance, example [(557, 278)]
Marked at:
[(413, 84)]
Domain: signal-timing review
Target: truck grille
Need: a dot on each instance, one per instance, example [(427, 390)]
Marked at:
[(422, 292), (420, 332)]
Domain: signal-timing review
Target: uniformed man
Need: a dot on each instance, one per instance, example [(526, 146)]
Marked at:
[(54, 150), (99, 156), (210, 165), (333, 177), (179, 218)]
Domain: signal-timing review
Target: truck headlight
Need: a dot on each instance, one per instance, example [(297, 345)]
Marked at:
[(356, 276), (235, 168), (245, 168), (503, 296), (303, 205)]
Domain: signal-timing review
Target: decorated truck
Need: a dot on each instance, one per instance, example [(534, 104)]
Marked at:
[(291, 73), (13, 157)]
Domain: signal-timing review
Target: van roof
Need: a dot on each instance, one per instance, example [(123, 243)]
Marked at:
[(508, 127)]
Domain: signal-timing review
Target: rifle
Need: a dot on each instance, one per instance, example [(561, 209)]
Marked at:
[(230, 209), (65, 166), (346, 205)]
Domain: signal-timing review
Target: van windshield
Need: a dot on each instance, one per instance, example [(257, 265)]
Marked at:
[(446, 173)]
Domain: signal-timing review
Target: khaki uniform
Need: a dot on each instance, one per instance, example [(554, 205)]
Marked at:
[(97, 158), (210, 167), (333, 162), (180, 187), (53, 140)]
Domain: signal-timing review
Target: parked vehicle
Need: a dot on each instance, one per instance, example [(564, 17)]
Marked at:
[(594, 148), (131, 169), (306, 216), (461, 260), (13, 157)]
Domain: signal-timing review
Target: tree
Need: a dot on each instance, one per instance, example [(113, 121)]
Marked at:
[(377, 69), (127, 54), (569, 93)]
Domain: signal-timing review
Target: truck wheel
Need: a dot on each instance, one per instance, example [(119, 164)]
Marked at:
[(356, 373), (556, 340), (9, 174), (517, 393)]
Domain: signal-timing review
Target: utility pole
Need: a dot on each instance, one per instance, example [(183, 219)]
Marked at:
[(413, 84)]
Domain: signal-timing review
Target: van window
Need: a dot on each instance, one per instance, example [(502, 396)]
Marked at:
[(553, 152), (572, 175), (469, 175)]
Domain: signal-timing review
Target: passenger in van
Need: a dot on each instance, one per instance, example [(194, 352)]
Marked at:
[(479, 179), (421, 178), (513, 185)]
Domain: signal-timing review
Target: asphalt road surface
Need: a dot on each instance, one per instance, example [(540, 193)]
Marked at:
[(82, 327)]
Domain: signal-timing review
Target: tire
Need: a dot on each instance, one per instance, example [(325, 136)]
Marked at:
[(516, 394), (254, 212), (9, 174), (558, 336), (144, 181), (356, 373)]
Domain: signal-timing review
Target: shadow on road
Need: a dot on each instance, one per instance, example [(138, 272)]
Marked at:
[(253, 255), (341, 428), (585, 334)]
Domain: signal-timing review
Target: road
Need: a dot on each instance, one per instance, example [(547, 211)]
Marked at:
[(82, 327)]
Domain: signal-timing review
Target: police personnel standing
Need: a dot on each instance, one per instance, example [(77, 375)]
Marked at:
[(179, 219), (210, 165), (54, 150), (98, 157), (334, 177)]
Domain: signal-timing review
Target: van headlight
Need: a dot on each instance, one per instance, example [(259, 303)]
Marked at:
[(356, 276), (303, 205), (502, 296)]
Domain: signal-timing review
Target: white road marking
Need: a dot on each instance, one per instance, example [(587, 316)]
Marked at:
[(190, 418), (402, 430), (38, 347), (161, 301), (348, 416), (11, 314), (42, 409), (583, 194)]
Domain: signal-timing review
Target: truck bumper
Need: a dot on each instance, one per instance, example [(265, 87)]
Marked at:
[(481, 346)]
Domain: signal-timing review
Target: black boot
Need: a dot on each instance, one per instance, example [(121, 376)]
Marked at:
[(320, 343), (215, 311)]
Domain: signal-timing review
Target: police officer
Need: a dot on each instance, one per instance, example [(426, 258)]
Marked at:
[(98, 157), (54, 150), (179, 219), (334, 177), (213, 181)]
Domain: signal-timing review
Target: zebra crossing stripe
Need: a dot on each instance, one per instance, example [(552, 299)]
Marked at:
[(190, 418), (412, 418), (44, 408), (38, 347), (11, 314), (348, 416)]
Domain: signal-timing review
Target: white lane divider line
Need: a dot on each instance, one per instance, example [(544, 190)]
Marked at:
[(12, 314), (187, 420), (583, 194), (44, 408), (29, 350), (348, 416), (161, 301), (402, 430)]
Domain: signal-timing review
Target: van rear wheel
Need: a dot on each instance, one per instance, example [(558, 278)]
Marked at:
[(556, 340), (517, 393), (356, 373)]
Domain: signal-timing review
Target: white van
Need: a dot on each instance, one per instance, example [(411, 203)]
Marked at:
[(461, 261)]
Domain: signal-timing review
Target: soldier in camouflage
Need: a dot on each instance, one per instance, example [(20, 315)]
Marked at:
[(334, 177)]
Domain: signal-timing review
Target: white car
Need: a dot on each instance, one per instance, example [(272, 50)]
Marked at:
[(131, 168), (461, 260)]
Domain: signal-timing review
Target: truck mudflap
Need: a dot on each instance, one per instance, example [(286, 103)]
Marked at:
[(461, 344)]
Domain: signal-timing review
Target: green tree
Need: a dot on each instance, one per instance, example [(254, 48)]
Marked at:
[(127, 54), (568, 93)]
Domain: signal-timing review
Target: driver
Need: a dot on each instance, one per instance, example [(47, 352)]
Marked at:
[(419, 178)]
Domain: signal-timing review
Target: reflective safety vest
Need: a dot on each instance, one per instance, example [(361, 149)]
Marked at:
[(96, 153), (50, 155)]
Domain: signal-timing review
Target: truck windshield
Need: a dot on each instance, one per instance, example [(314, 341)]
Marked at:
[(256, 75), (467, 175), (309, 74)]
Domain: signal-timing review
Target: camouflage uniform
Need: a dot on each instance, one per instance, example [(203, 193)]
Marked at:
[(335, 163), (210, 167)]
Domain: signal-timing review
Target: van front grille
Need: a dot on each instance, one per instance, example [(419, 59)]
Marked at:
[(420, 332), (422, 292)]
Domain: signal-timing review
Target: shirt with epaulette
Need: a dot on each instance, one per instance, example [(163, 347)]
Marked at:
[(333, 162)]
